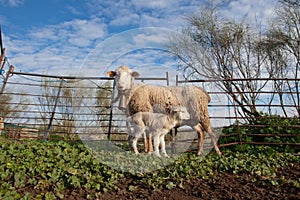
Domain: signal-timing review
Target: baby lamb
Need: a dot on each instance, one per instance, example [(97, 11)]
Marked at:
[(157, 124)]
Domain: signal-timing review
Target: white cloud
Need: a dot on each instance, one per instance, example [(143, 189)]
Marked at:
[(252, 12), (11, 3), (126, 19), (161, 13), (153, 4), (146, 39), (64, 45), (61, 47), (73, 10), (76, 32)]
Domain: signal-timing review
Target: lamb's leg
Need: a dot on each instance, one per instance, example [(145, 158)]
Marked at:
[(156, 144), (136, 134), (163, 144), (200, 132), (146, 148), (134, 145)]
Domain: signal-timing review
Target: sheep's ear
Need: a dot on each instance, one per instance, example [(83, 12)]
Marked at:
[(111, 73), (135, 74)]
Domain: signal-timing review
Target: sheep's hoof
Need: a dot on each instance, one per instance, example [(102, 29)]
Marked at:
[(150, 152), (199, 153)]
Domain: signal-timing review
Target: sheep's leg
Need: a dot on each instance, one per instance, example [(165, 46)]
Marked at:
[(173, 140), (200, 132), (163, 145), (212, 134), (156, 144), (150, 146)]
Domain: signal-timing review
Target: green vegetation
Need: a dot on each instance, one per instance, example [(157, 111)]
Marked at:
[(277, 130), (49, 169)]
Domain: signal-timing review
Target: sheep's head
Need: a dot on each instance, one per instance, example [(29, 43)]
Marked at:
[(124, 77)]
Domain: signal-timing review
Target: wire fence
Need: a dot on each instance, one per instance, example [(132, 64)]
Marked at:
[(69, 107), (279, 120), (48, 106)]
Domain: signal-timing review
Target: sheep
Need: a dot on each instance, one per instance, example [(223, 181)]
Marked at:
[(124, 82), (158, 124), (150, 98)]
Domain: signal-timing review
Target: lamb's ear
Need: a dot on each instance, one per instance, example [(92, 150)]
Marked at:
[(111, 73), (135, 74), (168, 107)]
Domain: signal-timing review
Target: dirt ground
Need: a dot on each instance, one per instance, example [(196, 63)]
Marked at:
[(225, 186)]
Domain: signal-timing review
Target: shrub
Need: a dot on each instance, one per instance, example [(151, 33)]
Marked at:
[(282, 132)]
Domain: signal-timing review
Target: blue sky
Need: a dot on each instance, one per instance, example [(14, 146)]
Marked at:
[(59, 36)]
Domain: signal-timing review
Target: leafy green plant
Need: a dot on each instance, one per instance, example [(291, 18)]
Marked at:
[(264, 129), (52, 168)]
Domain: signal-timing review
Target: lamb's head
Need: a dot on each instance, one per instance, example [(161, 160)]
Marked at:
[(178, 112), (181, 111), (124, 78)]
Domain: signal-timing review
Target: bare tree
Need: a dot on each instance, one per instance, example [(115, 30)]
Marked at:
[(63, 104), (12, 108), (82, 106), (222, 50), (282, 49)]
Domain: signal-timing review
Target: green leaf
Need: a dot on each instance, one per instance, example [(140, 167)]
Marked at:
[(170, 185), (131, 188)]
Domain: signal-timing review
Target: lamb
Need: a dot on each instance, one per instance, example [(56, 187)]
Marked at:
[(150, 98), (157, 124)]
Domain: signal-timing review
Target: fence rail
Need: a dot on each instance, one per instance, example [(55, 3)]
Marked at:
[(276, 109), (69, 106)]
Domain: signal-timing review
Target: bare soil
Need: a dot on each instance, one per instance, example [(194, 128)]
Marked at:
[(223, 186)]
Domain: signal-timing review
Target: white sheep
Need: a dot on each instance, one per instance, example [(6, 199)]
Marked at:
[(150, 98), (157, 124)]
